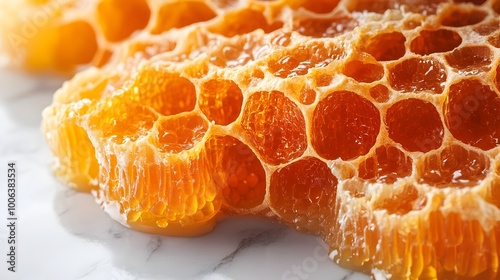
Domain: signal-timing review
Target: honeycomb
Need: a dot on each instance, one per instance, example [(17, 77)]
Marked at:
[(373, 124)]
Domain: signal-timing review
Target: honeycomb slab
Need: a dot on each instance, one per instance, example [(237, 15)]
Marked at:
[(373, 124)]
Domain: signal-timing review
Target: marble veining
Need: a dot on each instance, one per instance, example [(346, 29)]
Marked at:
[(63, 234), (263, 238)]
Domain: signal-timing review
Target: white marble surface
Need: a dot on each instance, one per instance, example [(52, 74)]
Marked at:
[(62, 234)]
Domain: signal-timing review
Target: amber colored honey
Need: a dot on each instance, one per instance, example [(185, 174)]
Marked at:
[(374, 124)]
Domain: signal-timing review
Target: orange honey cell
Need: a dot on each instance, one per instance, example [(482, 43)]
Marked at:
[(238, 173), (345, 125), (471, 113), (415, 124), (127, 16), (301, 192), (434, 41)]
